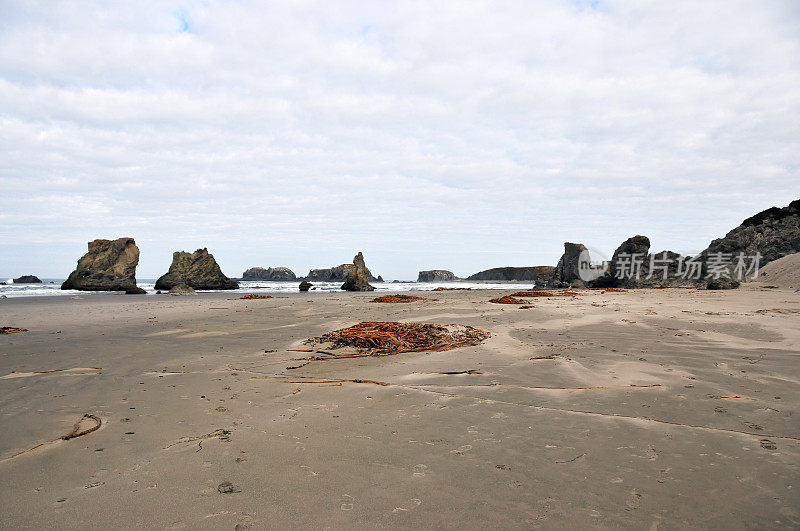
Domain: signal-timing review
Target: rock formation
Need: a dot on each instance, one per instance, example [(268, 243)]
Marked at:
[(305, 285), (181, 289), (774, 233), (541, 275), (27, 279), (358, 279), (337, 274), (566, 272), (198, 270), (436, 275), (107, 266), (271, 273)]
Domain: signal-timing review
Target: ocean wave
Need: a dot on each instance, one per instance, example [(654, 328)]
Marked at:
[(52, 287)]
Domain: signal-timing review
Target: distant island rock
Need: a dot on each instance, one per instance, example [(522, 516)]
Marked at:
[(436, 275), (541, 275), (27, 279), (359, 278), (337, 274), (198, 270), (271, 273), (109, 265)]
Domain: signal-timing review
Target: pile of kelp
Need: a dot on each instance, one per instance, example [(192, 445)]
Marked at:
[(11, 330), (376, 338), (251, 296), (397, 298)]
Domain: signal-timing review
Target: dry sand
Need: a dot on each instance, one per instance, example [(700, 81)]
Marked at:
[(646, 409), (783, 272)]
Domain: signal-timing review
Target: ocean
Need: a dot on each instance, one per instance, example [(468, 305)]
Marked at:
[(52, 287)]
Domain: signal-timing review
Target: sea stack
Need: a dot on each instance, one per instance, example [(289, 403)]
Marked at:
[(197, 270), (358, 280), (567, 271), (109, 265)]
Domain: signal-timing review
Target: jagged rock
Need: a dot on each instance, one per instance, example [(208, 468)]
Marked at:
[(197, 270), (566, 272), (109, 265), (358, 279), (271, 273), (636, 248), (541, 275), (182, 289), (27, 279), (337, 274), (774, 233), (436, 275), (305, 285)]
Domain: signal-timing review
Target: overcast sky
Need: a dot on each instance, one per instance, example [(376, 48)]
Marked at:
[(457, 135)]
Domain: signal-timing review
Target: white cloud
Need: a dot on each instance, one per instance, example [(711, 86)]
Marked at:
[(458, 135)]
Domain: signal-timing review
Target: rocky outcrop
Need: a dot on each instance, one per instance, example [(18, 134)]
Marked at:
[(436, 275), (27, 279), (358, 279), (337, 274), (181, 289), (271, 273), (636, 248), (566, 272), (633, 266), (541, 275), (305, 285), (773, 233), (198, 270), (109, 265)]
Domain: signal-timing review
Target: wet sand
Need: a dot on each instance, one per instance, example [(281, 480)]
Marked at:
[(645, 409)]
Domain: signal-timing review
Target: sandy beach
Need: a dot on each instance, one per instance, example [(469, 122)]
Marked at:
[(656, 409)]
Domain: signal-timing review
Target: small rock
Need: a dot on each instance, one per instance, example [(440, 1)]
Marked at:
[(226, 487)]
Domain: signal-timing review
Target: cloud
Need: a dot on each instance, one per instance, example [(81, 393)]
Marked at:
[(461, 136)]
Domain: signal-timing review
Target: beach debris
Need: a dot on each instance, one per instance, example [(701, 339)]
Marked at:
[(226, 487), (316, 380), (87, 424), (766, 444), (374, 338), (251, 296), (545, 293), (11, 330), (571, 460), (468, 371), (220, 433), (507, 299), (79, 429), (397, 298)]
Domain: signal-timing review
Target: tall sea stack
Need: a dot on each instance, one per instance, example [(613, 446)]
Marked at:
[(109, 265)]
